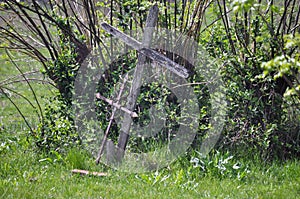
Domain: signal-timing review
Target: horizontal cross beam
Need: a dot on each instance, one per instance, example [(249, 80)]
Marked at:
[(152, 54), (116, 105)]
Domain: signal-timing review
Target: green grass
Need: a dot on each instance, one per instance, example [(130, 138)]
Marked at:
[(12, 79), (25, 172)]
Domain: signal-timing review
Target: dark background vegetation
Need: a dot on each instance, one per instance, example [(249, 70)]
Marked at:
[(256, 41)]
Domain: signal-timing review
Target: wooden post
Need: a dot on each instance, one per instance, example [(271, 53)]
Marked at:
[(85, 172), (148, 52), (111, 120), (144, 51), (116, 105), (136, 84)]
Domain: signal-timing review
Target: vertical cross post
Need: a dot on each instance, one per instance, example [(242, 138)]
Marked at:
[(136, 83)]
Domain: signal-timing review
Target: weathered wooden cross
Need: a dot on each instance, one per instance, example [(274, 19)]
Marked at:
[(144, 51)]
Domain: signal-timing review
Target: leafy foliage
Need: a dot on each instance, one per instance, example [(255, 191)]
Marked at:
[(245, 40), (258, 43), (57, 131), (286, 65)]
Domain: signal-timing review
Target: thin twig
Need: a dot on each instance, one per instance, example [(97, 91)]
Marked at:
[(29, 79), (226, 25), (111, 120), (17, 76), (19, 94), (18, 109), (28, 83)]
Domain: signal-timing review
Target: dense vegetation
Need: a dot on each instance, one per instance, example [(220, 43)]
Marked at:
[(45, 43)]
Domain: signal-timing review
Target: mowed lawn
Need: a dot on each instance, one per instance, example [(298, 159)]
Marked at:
[(26, 172)]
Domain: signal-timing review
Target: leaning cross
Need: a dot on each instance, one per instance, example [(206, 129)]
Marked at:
[(144, 51), (152, 54)]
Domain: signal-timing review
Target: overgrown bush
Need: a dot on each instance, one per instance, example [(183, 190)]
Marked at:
[(246, 40), (250, 38), (57, 130)]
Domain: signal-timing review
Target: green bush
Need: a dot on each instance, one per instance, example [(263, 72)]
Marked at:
[(57, 130)]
